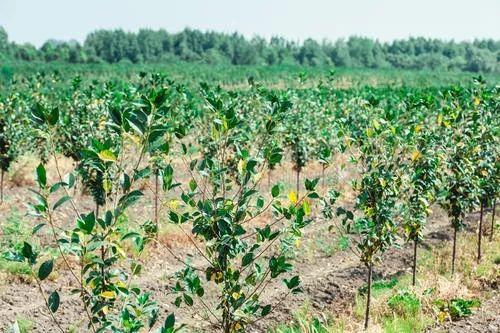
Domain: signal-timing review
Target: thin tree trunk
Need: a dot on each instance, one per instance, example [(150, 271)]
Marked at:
[(480, 233), (156, 205), (493, 219), (453, 256), (96, 210), (323, 177), (298, 182), (368, 296), (414, 271), (269, 178), (1, 186)]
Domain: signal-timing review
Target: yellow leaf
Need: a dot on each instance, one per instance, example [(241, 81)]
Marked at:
[(415, 156), (369, 132), (442, 316), (108, 294), (376, 124), (297, 243), (106, 185), (242, 164), (440, 119), (307, 207), (134, 138), (121, 284), (102, 125), (236, 295), (418, 128), (292, 196), (120, 250), (173, 204), (107, 156), (477, 101), (484, 173)]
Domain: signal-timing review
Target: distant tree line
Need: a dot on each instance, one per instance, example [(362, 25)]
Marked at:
[(149, 46)]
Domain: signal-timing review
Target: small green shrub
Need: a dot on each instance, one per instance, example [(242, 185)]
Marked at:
[(380, 285), (404, 303), (14, 233), (456, 308)]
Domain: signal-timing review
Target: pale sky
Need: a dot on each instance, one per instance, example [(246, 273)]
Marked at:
[(35, 21)]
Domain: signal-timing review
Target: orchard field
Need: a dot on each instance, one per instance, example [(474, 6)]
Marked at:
[(248, 199)]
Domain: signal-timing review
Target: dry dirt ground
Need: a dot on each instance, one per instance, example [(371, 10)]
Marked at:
[(330, 278)]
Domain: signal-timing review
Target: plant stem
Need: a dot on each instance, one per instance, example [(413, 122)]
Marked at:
[(156, 204), (298, 181), (1, 186), (480, 232), (493, 219), (453, 256), (415, 246), (96, 210), (40, 289), (269, 178), (368, 295), (323, 176)]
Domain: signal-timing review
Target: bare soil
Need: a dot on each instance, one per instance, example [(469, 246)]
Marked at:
[(330, 279)]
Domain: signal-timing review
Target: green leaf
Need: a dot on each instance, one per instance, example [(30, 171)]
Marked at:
[(265, 310), (292, 283), (70, 180), (61, 201), (86, 223), (37, 228), (311, 184), (247, 259), (41, 176), (13, 256), (260, 202), (192, 185), (27, 252), (45, 269), (169, 322), (57, 186), (53, 116), (130, 235), (53, 301), (144, 173), (129, 199), (275, 191), (188, 299)]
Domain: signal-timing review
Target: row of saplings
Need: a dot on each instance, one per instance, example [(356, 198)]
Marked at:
[(219, 202)]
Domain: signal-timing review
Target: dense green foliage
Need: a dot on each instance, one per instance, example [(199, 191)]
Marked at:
[(209, 148), (146, 46)]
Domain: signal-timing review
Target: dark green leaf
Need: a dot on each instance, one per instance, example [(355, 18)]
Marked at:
[(45, 269), (53, 301)]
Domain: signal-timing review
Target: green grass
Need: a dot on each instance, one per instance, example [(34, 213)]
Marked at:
[(380, 286), (15, 231), (305, 322), (405, 324), (22, 325)]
